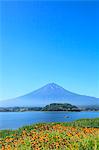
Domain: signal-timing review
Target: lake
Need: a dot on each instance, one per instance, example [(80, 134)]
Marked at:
[(14, 120)]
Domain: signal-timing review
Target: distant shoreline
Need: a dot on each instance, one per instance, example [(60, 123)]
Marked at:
[(51, 107), (52, 111)]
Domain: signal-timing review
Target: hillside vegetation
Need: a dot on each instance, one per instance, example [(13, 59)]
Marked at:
[(78, 135), (60, 107)]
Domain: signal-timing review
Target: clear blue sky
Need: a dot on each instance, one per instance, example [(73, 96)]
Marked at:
[(45, 42)]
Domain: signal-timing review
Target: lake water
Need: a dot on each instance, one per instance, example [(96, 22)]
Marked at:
[(14, 120)]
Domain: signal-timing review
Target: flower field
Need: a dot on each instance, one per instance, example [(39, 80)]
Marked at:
[(52, 136)]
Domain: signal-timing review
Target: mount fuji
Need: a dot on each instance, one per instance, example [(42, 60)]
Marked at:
[(50, 93)]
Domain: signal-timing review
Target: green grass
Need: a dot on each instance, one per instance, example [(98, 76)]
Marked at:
[(84, 123)]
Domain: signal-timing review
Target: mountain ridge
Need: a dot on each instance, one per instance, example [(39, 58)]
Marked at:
[(48, 94)]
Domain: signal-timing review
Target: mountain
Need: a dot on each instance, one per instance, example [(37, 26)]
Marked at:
[(50, 93)]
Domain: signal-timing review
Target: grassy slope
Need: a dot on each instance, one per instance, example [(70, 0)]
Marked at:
[(80, 134)]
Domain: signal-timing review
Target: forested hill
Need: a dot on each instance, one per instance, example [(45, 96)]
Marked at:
[(60, 107)]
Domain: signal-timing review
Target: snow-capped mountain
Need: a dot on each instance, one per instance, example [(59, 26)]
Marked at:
[(50, 93)]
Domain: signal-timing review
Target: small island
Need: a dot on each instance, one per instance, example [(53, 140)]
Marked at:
[(60, 107)]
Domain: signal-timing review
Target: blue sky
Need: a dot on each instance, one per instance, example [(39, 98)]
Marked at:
[(45, 42)]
